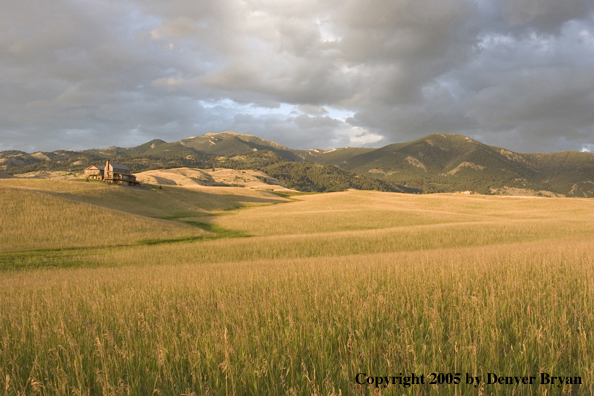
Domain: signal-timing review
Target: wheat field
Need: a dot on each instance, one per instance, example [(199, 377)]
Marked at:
[(291, 297)]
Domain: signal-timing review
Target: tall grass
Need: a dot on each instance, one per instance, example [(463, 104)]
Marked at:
[(302, 326)]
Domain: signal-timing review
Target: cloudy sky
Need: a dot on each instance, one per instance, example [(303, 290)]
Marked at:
[(327, 73)]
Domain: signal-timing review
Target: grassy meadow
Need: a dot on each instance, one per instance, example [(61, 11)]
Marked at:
[(108, 290)]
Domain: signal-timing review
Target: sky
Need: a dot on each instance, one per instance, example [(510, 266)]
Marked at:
[(78, 74)]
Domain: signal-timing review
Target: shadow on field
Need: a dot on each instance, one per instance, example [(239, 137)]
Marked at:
[(61, 208)]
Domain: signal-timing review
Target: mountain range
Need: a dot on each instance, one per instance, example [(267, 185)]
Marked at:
[(434, 163)]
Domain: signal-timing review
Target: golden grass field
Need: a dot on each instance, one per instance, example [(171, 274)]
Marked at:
[(108, 290)]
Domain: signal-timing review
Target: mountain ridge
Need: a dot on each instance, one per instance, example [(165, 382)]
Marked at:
[(434, 163)]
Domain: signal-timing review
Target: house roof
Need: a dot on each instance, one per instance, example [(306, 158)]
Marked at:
[(118, 167)]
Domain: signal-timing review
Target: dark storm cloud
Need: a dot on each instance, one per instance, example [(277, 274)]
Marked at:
[(95, 73)]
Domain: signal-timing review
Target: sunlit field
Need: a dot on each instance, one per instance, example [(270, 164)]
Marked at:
[(237, 292)]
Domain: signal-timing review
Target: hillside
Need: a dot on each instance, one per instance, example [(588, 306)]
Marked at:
[(306, 176), (566, 171), (231, 143), (336, 156), (447, 163), (221, 177), (435, 163), (34, 218)]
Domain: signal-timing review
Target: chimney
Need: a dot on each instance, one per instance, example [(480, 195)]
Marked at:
[(107, 173)]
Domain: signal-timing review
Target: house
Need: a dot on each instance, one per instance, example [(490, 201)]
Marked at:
[(111, 173), (94, 172)]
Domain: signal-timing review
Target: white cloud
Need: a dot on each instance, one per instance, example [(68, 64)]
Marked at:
[(361, 137)]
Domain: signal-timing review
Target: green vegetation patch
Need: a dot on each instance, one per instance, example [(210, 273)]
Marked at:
[(216, 232), (219, 231)]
